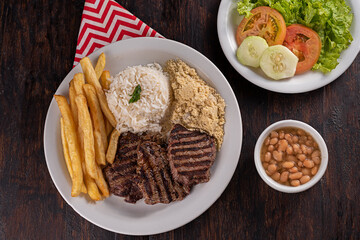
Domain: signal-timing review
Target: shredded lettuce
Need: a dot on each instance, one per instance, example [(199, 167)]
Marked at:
[(331, 19)]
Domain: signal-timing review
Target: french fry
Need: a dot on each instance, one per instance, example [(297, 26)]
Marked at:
[(65, 148), (90, 77), (72, 95), (108, 127), (111, 151), (73, 145), (86, 128), (98, 123), (100, 65), (101, 183), (104, 80), (79, 81), (91, 186)]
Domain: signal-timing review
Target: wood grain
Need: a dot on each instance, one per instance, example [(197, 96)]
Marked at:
[(38, 41)]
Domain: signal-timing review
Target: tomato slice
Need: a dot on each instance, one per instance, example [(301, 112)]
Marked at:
[(264, 22), (305, 43)]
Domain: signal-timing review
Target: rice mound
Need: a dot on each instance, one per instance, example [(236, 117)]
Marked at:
[(147, 112)]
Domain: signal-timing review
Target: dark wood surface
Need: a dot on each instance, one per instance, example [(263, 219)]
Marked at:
[(38, 40)]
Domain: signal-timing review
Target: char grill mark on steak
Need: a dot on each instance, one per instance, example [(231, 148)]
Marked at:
[(157, 184), (121, 175), (191, 155)]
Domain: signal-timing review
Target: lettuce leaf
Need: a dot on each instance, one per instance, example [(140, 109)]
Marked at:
[(331, 19)]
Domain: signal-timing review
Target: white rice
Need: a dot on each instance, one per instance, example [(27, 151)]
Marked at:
[(146, 113)]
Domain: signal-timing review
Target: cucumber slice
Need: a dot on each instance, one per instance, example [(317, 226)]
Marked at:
[(250, 51), (278, 62)]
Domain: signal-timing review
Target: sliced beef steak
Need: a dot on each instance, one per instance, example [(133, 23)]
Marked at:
[(156, 182), (121, 175), (191, 155)]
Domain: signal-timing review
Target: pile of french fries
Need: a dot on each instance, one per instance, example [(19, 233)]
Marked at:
[(88, 132)]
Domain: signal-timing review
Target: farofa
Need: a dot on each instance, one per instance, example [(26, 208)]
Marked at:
[(196, 105)]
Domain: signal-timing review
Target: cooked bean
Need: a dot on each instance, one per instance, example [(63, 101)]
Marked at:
[(276, 176), (284, 176), (288, 137), (310, 150), (308, 142), (306, 171), (272, 168), (281, 134), (316, 160), (295, 183), (267, 157), (273, 141), (301, 132), (265, 165), (303, 148), (289, 150), (277, 155), (300, 164), (296, 148), (315, 154), (272, 161), (293, 170), (288, 164), (274, 134), (267, 172), (314, 170), (295, 139), (301, 157), (297, 175), (309, 163), (291, 158), (271, 148), (283, 144), (304, 179), (267, 141)]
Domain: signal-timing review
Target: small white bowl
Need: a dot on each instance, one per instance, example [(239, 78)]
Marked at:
[(307, 128)]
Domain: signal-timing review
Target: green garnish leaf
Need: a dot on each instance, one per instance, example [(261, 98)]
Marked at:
[(135, 96)]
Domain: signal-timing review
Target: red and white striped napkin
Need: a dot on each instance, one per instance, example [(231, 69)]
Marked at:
[(104, 22)]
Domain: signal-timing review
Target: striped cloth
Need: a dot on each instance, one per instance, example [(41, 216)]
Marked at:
[(104, 22)]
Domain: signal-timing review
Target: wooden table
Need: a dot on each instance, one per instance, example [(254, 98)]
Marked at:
[(38, 40)]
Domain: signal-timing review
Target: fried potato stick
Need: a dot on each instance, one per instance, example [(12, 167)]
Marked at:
[(111, 151), (98, 123), (100, 65), (108, 127), (88, 135), (72, 95), (104, 80), (79, 81), (101, 183), (90, 77), (65, 148), (73, 144), (91, 186)]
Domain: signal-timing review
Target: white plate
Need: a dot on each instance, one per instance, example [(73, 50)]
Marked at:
[(140, 219), (227, 22)]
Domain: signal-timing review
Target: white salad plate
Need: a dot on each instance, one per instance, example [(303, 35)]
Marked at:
[(227, 22), (113, 213)]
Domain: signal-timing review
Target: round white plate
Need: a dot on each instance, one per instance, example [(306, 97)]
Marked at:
[(140, 219), (227, 22)]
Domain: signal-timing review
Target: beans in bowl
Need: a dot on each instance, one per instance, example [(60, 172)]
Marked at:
[(290, 156)]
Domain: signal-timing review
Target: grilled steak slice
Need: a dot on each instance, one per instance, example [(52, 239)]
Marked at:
[(156, 183), (121, 175), (191, 155)]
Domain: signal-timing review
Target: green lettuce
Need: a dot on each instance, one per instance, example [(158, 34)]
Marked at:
[(331, 19)]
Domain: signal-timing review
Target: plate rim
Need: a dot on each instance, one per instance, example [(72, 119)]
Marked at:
[(219, 193), (251, 75)]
